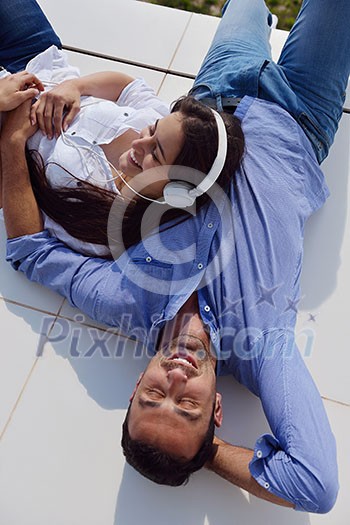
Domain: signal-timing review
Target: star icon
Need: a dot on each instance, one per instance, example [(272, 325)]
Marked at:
[(266, 295), (231, 307), (292, 305)]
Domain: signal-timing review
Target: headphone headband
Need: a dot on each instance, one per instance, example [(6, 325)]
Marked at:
[(181, 194), (219, 161)]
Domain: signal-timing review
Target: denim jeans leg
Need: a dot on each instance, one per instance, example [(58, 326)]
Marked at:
[(240, 43), (316, 62), (245, 23), (24, 33)]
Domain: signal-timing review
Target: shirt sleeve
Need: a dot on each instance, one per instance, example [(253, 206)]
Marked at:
[(45, 260), (298, 462), (139, 95)]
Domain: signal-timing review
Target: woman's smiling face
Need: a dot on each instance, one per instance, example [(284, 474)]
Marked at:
[(158, 145)]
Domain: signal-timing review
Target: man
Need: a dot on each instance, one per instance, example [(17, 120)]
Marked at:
[(173, 410), (217, 294), (19, 87), (16, 89)]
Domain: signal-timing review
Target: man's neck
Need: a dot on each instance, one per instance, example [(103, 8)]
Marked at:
[(188, 323)]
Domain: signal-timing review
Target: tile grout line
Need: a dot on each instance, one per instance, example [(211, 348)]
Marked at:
[(20, 395), (60, 308), (128, 62), (106, 329), (58, 315), (18, 398), (180, 41), (35, 308), (8, 421), (166, 71), (161, 84), (342, 403)]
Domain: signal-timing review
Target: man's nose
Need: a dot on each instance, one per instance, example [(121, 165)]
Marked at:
[(177, 381)]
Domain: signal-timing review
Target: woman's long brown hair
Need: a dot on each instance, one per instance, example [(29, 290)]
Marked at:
[(83, 211)]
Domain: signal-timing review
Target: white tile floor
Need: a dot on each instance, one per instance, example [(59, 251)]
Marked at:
[(61, 411), (120, 28)]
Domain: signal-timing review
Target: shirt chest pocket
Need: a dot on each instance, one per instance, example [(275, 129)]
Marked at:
[(149, 274)]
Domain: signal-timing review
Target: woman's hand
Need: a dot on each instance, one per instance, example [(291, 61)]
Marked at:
[(17, 125), (57, 108), (17, 88)]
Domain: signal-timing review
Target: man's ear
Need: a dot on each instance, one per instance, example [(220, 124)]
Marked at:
[(218, 415), (137, 384)]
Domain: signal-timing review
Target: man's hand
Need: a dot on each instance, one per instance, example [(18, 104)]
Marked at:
[(17, 125), (57, 108), (18, 88)]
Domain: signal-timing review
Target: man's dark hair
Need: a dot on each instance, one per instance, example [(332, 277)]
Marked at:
[(160, 467)]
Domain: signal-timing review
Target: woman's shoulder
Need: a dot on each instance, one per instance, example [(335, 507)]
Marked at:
[(139, 95), (52, 67)]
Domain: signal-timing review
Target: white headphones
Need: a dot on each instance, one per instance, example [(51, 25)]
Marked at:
[(178, 194), (181, 194)]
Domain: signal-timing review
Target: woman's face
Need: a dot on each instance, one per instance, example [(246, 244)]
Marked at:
[(157, 145)]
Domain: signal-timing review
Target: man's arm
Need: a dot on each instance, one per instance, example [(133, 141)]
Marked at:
[(16, 89), (91, 284), (232, 463), (21, 212), (297, 462)]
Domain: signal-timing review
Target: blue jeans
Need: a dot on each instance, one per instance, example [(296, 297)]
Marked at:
[(24, 33), (310, 77)]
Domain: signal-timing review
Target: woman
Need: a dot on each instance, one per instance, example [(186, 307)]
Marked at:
[(86, 153)]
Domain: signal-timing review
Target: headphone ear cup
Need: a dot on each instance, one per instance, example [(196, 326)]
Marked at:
[(177, 194)]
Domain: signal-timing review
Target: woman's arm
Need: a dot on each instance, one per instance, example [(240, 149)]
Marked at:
[(107, 85), (59, 106)]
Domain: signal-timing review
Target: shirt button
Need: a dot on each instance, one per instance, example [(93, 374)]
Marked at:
[(267, 485), (94, 142), (200, 266), (148, 259), (259, 454), (126, 114), (210, 225), (73, 133), (207, 308)]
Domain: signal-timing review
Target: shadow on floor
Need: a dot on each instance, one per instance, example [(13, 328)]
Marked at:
[(325, 230)]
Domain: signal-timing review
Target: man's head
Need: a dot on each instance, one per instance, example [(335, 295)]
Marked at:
[(169, 428)]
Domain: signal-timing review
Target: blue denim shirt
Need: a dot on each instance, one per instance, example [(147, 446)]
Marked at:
[(243, 255)]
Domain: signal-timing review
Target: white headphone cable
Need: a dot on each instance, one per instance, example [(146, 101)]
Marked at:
[(119, 175), (203, 187)]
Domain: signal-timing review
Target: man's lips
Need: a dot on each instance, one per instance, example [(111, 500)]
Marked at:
[(186, 350), (184, 358)]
